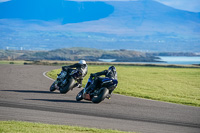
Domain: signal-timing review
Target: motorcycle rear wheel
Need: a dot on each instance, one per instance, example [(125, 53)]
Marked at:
[(101, 96)]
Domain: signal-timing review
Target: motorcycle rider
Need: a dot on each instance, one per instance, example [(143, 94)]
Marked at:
[(111, 73), (81, 66)]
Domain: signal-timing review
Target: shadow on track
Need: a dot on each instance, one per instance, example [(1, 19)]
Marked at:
[(58, 100), (31, 91)]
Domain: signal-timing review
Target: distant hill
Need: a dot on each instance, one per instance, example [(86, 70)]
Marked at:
[(143, 25), (76, 54)]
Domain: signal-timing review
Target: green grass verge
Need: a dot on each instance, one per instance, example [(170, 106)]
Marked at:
[(176, 85), (29, 127), (18, 62)]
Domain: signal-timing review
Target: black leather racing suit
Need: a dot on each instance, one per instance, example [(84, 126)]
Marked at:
[(97, 80), (82, 67)]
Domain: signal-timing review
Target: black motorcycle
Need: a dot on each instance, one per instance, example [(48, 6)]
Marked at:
[(66, 81), (99, 93)]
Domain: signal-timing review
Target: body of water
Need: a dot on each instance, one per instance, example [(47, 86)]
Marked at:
[(184, 60), (107, 60)]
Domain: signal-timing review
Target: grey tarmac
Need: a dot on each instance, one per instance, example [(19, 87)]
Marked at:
[(25, 96)]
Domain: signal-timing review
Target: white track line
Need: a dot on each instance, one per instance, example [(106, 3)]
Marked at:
[(44, 74)]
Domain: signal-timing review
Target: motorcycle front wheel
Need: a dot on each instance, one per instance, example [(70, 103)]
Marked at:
[(79, 96), (69, 86), (101, 95), (52, 87)]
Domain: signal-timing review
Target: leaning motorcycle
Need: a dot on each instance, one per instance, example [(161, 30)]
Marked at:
[(66, 81), (99, 93)]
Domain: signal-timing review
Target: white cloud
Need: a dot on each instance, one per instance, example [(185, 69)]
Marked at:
[(188, 5)]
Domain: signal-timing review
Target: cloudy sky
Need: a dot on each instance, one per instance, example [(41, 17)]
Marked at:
[(188, 5)]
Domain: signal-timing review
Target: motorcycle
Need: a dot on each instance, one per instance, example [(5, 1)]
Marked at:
[(66, 81), (99, 93)]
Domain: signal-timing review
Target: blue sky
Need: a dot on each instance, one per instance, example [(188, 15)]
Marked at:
[(188, 5)]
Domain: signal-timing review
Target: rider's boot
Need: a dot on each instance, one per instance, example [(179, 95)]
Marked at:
[(108, 96)]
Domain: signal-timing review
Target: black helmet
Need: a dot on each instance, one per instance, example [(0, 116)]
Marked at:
[(112, 69), (112, 73)]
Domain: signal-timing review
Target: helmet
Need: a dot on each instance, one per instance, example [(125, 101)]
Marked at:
[(112, 73), (112, 69), (82, 62)]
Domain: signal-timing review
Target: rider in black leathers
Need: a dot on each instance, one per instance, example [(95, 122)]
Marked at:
[(111, 73), (82, 66)]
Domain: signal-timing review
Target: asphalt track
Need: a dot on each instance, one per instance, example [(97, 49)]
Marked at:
[(25, 96)]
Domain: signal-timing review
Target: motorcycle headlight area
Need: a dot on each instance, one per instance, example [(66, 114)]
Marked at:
[(63, 74)]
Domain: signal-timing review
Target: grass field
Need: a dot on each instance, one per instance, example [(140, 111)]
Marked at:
[(28, 127), (176, 85), (19, 62)]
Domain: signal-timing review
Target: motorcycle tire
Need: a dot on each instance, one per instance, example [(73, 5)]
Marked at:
[(79, 96), (52, 87), (101, 96), (69, 86)]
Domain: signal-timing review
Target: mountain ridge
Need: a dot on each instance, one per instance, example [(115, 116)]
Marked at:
[(77, 53), (144, 25)]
